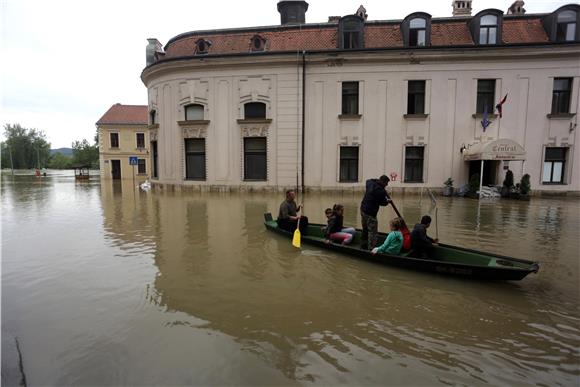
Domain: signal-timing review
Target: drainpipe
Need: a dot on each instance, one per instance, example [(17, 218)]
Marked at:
[(303, 111)]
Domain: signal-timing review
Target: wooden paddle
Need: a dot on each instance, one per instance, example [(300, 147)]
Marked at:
[(296, 238)]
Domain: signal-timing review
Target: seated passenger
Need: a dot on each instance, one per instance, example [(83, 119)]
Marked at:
[(421, 244), (328, 214), (288, 215), (394, 240), (335, 231)]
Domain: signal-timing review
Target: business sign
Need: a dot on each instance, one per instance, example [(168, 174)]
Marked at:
[(133, 160)]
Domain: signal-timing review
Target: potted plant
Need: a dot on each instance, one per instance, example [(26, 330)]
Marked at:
[(508, 184), (473, 186), (524, 188), (448, 187)]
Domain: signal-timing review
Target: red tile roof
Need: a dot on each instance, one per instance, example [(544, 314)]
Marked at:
[(444, 32), (524, 31), (125, 114)]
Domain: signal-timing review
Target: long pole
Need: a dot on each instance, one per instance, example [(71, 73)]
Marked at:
[(480, 179), (303, 112)]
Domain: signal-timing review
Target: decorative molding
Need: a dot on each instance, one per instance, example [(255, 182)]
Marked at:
[(194, 132), (255, 130), (193, 123), (254, 121), (153, 134)]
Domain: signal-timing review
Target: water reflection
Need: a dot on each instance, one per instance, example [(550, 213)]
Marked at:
[(312, 314)]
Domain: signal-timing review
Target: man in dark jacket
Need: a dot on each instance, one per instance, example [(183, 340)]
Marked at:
[(375, 196), (421, 244), (288, 215)]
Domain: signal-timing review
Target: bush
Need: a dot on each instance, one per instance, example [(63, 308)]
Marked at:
[(448, 182)]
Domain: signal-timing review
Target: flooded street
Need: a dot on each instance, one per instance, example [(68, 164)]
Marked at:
[(107, 285)]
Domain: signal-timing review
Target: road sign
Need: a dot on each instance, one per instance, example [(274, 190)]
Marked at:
[(133, 160)]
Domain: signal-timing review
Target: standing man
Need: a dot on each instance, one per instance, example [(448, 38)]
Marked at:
[(375, 196), (288, 215)]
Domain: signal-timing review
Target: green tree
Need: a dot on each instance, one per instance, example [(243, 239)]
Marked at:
[(29, 147), (60, 161), (85, 154)]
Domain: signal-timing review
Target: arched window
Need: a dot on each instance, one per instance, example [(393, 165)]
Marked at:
[(486, 27), (194, 112), (416, 29), (253, 110), (351, 32), (417, 32), (202, 46), (566, 26)]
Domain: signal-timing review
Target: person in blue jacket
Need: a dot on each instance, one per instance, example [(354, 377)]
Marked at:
[(394, 241), (375, 197)]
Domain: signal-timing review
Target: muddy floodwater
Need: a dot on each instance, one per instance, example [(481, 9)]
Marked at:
[(105, 285)]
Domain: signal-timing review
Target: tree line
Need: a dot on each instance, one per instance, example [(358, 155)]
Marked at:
[(26, 148)]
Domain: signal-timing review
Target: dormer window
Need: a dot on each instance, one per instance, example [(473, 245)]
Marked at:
[(488, 30), (416, 30), (202, 46), (486, 27), (257, 43), (566, 26), (350, 32), (562, 24)]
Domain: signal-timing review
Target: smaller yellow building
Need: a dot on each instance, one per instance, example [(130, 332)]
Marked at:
[(124, 143)]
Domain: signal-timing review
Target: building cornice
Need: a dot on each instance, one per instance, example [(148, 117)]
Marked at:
[(337, 57)]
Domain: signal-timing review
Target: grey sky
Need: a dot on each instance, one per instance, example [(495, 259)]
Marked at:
[(64, 63)]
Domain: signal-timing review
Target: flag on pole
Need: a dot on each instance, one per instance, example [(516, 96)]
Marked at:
[(485, 122), (499, 105)]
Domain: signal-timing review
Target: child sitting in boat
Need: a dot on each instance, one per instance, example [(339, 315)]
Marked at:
[(335, 231), (394, 240)]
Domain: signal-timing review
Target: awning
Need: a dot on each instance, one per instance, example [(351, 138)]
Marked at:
[(502, 149)]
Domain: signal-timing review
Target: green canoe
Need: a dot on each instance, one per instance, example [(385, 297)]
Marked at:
[(446, 259)]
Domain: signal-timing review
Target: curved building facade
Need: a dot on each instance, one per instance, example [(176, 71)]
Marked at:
[(326, 106)]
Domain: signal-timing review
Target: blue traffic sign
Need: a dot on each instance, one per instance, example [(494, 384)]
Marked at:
[(133, 160)]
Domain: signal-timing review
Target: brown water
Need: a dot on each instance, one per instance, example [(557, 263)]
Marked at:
[(104, 285)]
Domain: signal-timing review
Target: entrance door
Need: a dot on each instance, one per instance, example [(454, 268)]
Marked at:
[(489, 170), (116, 169)]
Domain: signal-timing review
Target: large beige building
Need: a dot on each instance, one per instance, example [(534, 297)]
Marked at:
[(124, 134), (328, 105)]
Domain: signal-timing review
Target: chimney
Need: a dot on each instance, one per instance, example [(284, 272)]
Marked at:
[(517, 8), (292, 11), (461, 7), (152, 48)]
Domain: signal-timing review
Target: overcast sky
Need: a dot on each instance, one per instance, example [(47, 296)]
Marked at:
[(65, 62)]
